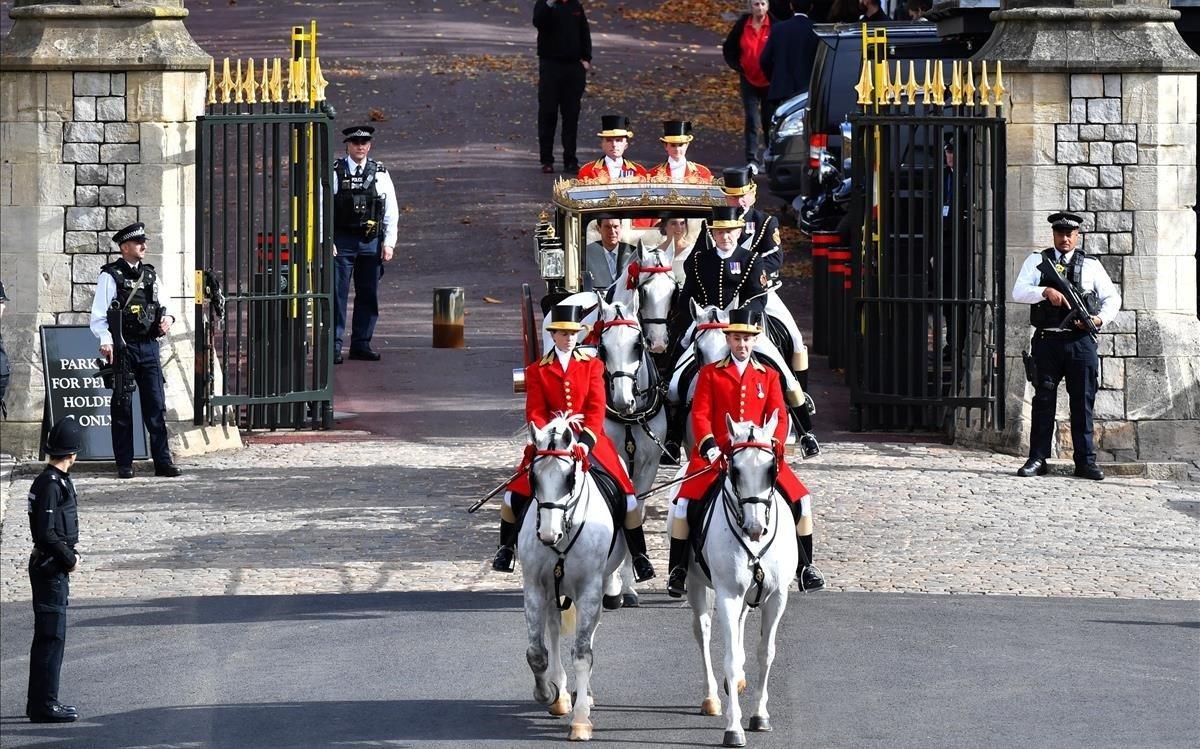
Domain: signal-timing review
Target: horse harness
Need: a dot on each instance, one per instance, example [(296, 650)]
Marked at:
[(633, 281), (569, 507), (734, 509), (656, 389)]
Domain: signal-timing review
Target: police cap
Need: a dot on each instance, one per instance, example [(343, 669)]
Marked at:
[(64, 439), (130, 233), (358, 132), (1065, 221)]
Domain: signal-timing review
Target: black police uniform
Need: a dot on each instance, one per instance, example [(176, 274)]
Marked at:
[(139, 319), (54, 526)]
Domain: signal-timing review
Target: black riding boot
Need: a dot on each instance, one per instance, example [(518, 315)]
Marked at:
[(802, 419), (505, 560), (678, 566), (810, 577), (676, 423), (635, 541)]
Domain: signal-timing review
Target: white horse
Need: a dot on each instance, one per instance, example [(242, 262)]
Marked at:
[(567, 548), (704, 343), (751, 553), (648, 285), (635, 419)]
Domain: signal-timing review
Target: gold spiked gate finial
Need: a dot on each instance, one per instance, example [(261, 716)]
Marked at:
[(238, 82)]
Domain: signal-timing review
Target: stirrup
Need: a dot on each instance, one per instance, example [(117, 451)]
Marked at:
[(642, 569), (677, 582)]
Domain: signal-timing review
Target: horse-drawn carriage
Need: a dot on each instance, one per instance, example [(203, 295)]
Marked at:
[(564, 232)]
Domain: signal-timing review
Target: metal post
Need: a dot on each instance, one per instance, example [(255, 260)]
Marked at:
[(448, 309)]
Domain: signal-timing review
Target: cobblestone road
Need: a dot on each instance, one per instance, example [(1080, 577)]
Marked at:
[(381, 515)]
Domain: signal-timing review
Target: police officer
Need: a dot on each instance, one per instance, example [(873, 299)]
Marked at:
[(54, 525), (1062, 348), (128, 288), (365, 222)]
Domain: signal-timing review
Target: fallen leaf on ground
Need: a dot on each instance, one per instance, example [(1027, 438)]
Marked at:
[(492, 300)]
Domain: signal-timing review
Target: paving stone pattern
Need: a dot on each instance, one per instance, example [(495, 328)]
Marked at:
[(384, 515)]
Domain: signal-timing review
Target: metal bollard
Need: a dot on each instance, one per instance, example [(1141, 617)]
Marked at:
[(449, 304)]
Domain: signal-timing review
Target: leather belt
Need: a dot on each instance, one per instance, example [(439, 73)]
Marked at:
[(1060, 335)]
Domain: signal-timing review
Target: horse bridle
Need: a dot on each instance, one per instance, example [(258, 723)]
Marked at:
[(568, 507), (636, 271), (609, 376), (737, 509)]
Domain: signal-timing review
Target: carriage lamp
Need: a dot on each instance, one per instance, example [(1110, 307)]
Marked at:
[(552, 262)]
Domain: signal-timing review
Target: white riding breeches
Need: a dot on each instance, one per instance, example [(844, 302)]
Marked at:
[(778, 310)]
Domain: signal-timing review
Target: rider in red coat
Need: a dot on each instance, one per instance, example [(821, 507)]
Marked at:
[(570, 381), (614, 139), (677, 135), (743, 388)]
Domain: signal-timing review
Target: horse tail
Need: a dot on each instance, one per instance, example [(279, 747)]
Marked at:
[(568, 619)]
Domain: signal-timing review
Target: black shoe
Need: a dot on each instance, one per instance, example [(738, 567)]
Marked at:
[(1034, 467), (124, 472), (52, 714), (642, 569), (572, 168), (337, 358), (547, 169), (364, 354), (169, 470), (1089, 471), (810, 579), (66, 708), (677, 582), (505, 560), (809, 446)]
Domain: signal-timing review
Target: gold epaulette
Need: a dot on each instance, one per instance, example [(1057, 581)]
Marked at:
[(725, 362), (547, 359), (754, 362), (582, 355)]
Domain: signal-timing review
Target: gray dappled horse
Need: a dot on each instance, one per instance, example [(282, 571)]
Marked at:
[(648, 286), (751, 554), (635, 419), (567, 549)]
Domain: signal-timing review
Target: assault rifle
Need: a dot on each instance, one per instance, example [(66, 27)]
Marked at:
[(1079, 310), (123, 383)]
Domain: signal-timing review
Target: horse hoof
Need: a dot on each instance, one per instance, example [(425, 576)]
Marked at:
[(629, 601), (741, 685), (581, 732), (710, 706), (561, 706), (612, 603), (734, 738), (762, 724), (548, 696)]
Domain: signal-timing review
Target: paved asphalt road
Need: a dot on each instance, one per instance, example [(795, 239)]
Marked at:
[(448, 670)]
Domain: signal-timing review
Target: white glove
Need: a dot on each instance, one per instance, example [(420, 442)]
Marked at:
[(712, 454)]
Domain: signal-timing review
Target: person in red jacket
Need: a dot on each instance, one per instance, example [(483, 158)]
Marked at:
[(677, 135), (614, 139), (569, 381), (743, 388)]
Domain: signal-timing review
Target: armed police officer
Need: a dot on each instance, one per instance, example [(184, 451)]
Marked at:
[(54, 525), (365, 222), (128, 317), (1064, 345)]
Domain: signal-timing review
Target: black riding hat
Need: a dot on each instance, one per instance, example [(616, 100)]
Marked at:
[(614, 126), (737, 181), (566, 317), (676, 131), (726, 217), (744, 320), (65, 438), (358, 132)]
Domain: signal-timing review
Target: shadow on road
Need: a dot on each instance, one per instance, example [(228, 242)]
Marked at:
[(258, 609)]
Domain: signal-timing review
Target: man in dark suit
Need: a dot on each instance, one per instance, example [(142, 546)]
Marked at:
[(787, 59), (606, 260)]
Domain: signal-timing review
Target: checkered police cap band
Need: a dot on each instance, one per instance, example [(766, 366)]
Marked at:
[(134, 231)]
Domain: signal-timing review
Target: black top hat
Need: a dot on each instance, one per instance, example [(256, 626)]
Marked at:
[(566, 317), (744, 320), (1065, 221), (614, 126), (676, 131), (64, 439), (737, 180), (132, 232), (358, 132), (726, 217)]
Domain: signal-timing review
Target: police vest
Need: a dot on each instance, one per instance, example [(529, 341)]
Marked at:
[(357, 206), (140, 317), (1046, 315)]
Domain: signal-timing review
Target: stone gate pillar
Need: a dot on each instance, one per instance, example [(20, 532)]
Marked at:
[(98, 102), (1101, 109)]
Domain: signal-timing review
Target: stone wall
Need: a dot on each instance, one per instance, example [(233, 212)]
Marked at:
[(90, 143), (1114, 139)]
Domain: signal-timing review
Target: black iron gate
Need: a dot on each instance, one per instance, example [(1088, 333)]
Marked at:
[(264, 267), (926, 275)]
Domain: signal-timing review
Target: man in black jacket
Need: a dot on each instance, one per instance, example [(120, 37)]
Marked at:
[(788, 57), (54, 525), (564, 48)]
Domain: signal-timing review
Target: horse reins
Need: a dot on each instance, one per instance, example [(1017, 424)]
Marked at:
[(655, 389), (736, 509), (569, 507)]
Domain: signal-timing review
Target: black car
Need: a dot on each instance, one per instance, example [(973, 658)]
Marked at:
[(832, 95), (787, 151)]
